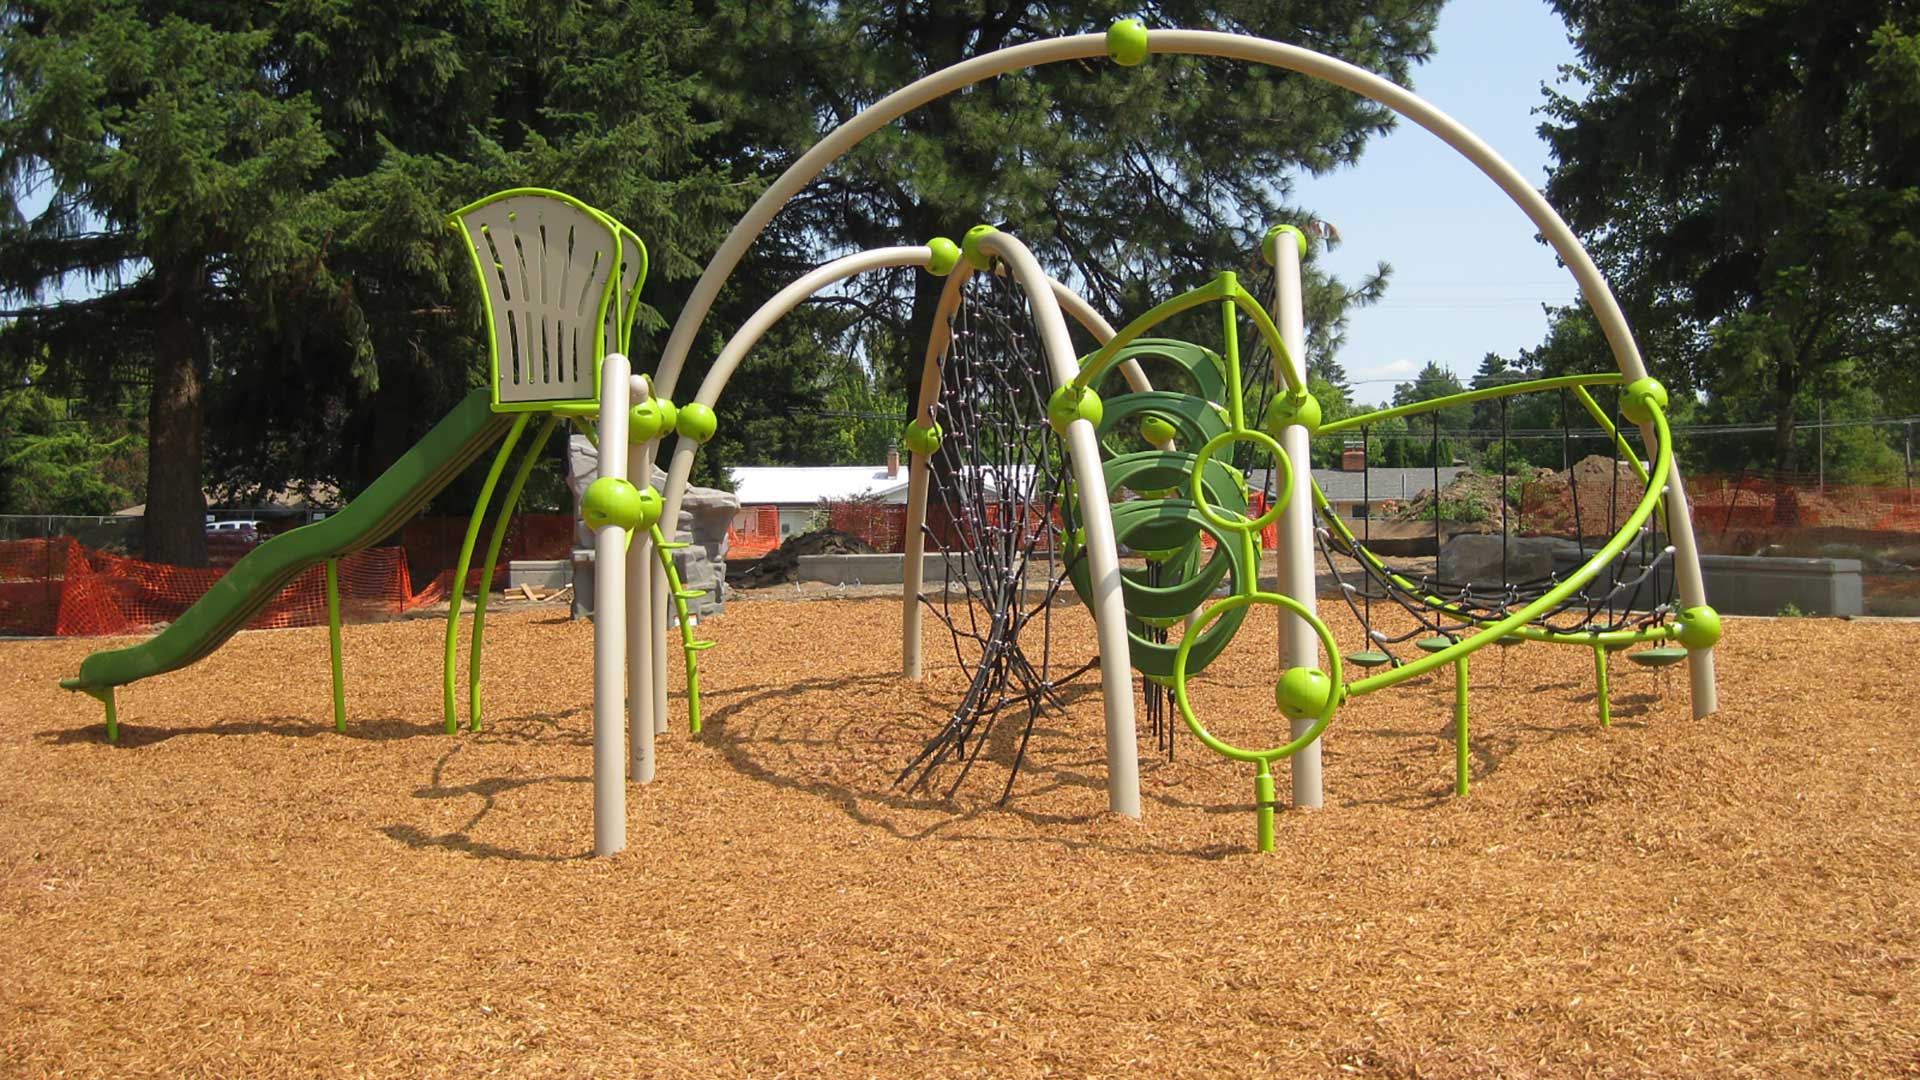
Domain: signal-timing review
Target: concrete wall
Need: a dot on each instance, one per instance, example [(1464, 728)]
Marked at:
[(1762, 585), (880, 569), (1758, 584)]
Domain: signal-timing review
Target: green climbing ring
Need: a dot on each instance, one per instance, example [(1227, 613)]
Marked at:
[(1233, 605)]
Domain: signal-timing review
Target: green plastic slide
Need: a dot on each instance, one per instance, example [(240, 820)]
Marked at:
[(255, 580)]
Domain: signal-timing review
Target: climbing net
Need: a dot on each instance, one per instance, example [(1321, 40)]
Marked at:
[(1635, 590), (997, 487)]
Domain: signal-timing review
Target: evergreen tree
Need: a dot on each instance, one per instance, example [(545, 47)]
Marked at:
[(263, 189), (1748, 177)]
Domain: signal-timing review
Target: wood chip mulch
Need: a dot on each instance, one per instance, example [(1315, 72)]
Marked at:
[(236, 891)]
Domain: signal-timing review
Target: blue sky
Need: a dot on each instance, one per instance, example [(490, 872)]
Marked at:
[(1469, 277)]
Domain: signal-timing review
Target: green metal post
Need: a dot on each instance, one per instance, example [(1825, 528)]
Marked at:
[(1600, 685), (333, 646), (1460, 764), (494, 542), (466, 559), (1263, 803), (113, 719)]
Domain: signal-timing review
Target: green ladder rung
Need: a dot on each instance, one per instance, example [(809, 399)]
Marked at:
[(1370, 658), (689, 594), (673, 545), (699, 646), (1660, 657)]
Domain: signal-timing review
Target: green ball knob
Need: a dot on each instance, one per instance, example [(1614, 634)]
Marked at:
[(1641, 398), (1699, 627), (651, 504), (970, 247), (696, 422), (668, 412), (1290, 407), (946, 256), (1303, 692), (1157, 430), (612, 501), (647, 421), (1070, 403), (1269, 244), (924, 441), (1127, 42)]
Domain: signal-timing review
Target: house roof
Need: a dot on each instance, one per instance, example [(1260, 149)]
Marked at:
[(1340, 485), (807, 485)]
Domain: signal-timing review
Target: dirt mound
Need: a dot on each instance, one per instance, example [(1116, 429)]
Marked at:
[(1471, 497), (1591, 499), (782, 564)]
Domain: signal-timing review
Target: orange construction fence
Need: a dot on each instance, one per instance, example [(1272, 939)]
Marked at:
[(61, 587)]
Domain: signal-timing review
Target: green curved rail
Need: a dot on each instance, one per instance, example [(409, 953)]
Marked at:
[(1485, 393), (1494, 631), (1223, 287), (1578, 384), (450, 666), (494, 542)]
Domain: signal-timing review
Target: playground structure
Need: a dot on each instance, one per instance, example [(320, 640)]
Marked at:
[(562, 280)]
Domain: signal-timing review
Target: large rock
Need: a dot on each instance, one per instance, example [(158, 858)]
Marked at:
[(1483, 559), (705, 516)]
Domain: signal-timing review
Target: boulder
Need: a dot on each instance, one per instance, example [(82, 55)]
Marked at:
[(1476, 558), (706, 515)]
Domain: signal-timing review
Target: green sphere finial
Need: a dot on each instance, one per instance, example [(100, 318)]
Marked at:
[(922, 440), (647, 421), (1303, 692), (1127, 42), (612, 501), (946, 256), (1699, 627), (1641, 397), (696, 422), (1291, 407), (651, 505), (970, 247), (1157, 429), (1070, 403), (1271, 253)]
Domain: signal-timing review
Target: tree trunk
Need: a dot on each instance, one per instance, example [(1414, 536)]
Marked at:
[(176, 507), (1786, 455)]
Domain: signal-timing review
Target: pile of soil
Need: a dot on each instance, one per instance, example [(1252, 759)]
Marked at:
[(1468, 489), (782, 564), (1540, 501)]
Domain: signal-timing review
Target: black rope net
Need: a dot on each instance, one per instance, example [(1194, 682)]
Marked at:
[(998, 481), (1635, 590)]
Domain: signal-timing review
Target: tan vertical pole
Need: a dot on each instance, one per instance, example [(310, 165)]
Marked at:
[(919, 478), (1299, 645), (610, 626)]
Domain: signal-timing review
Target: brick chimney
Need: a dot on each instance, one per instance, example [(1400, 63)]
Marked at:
[(1353, 458), (893, 462)]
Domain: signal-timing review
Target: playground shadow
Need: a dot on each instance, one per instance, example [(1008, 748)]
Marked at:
[(134, 735), (489, 790), (866, 804), (534, 727), (875, 807)]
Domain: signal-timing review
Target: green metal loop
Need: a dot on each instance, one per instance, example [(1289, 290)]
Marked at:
[(1283, 491), (1236, 603)]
